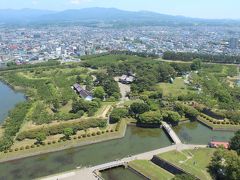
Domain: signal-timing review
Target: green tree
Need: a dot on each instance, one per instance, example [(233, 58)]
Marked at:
[(99, 92), (235, 142), (68, 132), (137, 108), (225, 165), (171, 116), (196, 64), (79, 79), (151, 117), (40, 137), (117, 114), (186, 110)]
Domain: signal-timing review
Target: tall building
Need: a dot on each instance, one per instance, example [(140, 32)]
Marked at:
[(233, 43)]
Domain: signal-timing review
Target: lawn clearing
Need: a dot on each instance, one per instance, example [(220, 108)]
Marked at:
[(193, 161), (150, 170), (177, 88)]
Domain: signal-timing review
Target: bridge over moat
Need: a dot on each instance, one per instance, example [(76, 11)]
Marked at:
[(171, 133)]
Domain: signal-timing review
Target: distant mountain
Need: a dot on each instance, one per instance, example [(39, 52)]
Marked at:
[(22, 15), (100, 15)]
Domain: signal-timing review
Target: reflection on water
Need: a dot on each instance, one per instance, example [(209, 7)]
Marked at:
[(120, 173), (8, 99), (196, 133), (136, 140)]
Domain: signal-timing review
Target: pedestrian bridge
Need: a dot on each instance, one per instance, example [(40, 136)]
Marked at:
[(171, 133)]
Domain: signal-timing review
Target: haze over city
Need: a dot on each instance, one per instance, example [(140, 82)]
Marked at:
[(214, 9)]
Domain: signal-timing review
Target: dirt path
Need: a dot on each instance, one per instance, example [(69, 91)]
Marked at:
[(124, 89)]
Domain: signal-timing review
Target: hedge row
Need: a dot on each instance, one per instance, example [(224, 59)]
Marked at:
[(214, 121), (60, 140), (59, 128)]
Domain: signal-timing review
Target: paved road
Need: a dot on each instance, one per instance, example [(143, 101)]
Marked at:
[(88, 173)]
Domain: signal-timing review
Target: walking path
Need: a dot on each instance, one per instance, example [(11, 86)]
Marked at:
[(171, 133), (91, 172)]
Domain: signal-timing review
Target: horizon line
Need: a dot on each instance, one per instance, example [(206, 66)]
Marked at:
[(176, 15)]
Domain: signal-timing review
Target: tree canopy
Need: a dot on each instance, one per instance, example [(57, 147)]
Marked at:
[(235, 142)]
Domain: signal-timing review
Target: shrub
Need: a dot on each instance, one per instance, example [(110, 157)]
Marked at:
[(79, 137), (88, 135), (103, 132), (117, 114), (49, 143), (112, 130), (84, 135), (43, 143), (27, 147), (16, 149), (93, 134), (21, 148), (5, 151), (32, 146), (38, 145), (10, 150), (107, 131), (75, 137), (99, 133), (54, 142), (59, 140)]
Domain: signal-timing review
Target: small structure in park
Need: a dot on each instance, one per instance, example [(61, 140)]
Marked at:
[(127, 78), (82, 92), (216, 144)]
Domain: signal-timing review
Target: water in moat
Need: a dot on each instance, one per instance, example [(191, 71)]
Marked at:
[(197, 133), (189, 133), (238, 83), (120, 173), (8, 99), (136, 140)]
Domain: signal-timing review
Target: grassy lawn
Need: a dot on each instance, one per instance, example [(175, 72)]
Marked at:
[(150, 170), (193, 161), (178, 87), (104, 109), (67, 108)]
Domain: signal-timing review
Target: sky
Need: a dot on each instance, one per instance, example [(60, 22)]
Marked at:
[(210, 9)]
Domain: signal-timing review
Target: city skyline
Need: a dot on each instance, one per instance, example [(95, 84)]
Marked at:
[(204, 9)]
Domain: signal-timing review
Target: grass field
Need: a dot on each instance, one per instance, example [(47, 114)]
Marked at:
[(177, 88), (150, 170), (193, 161)]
